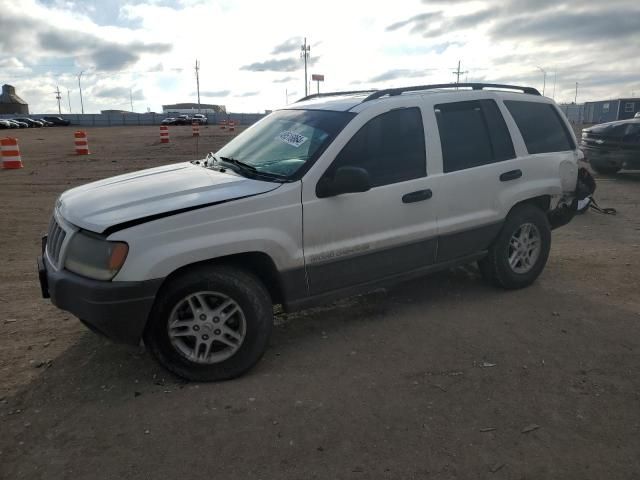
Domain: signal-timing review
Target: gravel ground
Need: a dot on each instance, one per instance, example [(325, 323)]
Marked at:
[(443, 377)]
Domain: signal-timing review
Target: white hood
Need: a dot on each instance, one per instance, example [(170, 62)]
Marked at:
[(156, 191)]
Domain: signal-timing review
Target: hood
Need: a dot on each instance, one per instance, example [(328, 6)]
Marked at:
[(616, 128), (153, 193)]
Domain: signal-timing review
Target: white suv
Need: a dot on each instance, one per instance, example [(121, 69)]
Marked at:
[(334, 195)]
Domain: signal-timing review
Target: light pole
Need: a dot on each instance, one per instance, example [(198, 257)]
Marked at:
[(544, 78), (80, 88)]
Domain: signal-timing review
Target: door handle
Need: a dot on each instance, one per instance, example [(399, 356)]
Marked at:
[(417, 196), (510, 175)]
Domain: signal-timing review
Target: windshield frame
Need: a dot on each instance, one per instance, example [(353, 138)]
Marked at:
[(300, 172)]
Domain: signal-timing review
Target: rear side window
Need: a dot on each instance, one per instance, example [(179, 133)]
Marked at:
[(390, 147), (472, 134), (541, 127)]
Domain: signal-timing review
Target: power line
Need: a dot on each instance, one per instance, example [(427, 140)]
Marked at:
[(457, 73), (58, 97)]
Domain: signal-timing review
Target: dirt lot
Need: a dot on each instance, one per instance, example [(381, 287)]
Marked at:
[(443, 377)]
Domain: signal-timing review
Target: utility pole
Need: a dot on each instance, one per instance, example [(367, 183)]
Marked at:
[(575, 99), (544, 78), (457, 72), (198, 82), (80, 87), (69, 99), (131, 99), (555, 77), (58, 97), (305, 52)]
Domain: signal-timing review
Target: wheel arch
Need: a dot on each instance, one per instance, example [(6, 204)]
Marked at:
[(257, 263)]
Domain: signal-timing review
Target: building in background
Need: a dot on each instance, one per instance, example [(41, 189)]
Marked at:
[(573, 111), (180, 108), (610, 110), (12, 103)]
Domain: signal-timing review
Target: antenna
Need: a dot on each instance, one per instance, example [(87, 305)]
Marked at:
[(58, 98), (131, 99), (80, 88), (69, 99), (198, 82), (305, 52)]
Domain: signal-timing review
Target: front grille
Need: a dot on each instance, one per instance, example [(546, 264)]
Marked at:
[(55, 238)]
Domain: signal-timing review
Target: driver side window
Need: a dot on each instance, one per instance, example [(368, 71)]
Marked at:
[(390, 147)]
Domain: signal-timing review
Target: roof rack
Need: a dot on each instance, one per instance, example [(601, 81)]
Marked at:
[(333, 94), (473, 86)]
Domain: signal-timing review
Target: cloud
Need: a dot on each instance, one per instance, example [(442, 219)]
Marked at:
[(398, 73), (419, 22), (213, 93), (118, 93), (290, 45), (247, 94), (284, 79), (570, 26), (278, 65), (21, 34)]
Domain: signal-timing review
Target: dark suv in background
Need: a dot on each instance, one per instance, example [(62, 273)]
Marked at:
[(610, 147)]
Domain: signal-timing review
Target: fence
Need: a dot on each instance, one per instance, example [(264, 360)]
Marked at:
[(123, 119)]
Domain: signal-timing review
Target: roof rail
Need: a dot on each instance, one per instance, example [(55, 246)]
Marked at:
[(333, 94), (474, 86)]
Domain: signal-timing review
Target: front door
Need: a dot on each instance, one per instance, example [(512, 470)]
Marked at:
[(357, 238)]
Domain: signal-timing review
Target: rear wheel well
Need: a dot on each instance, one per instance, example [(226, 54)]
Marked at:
[(258, 263), (543, 202)]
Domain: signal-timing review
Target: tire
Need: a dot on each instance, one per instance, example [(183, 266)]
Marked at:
[(606, 169), (496, 266), (181, 307)]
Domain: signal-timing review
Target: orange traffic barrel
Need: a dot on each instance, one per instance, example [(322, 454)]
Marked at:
[(195, 128), (164, 134), (232, 126), (223, 124), (10, 153), (82, 144)]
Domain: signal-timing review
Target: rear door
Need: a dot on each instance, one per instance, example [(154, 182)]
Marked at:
[(478, 158), (357, 238)]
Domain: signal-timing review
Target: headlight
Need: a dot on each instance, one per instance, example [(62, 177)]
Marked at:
[(94, 257)]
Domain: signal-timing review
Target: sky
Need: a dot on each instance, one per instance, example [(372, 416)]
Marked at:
[(249, 50)]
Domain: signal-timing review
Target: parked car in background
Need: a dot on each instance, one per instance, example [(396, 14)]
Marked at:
[(200, 119), (637, 115), (4, 124), (57, 121), (610, 147), (30, 122), (183, 120), (168, 121), (18, 124), (45, 123)]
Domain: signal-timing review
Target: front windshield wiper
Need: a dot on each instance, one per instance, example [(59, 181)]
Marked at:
[(239, 164), (247, 168)]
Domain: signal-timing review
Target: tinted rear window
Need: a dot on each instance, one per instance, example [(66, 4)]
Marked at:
[(472, 133), (541, 127)]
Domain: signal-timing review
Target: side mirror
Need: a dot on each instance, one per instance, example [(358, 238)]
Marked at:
[(345, 180)]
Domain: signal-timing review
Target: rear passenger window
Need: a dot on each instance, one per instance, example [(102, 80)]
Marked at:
[(472, 134), (390, 147), (541, 127)]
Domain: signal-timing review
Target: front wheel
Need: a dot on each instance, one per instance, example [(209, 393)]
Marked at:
[(519, 253), (210, 323)]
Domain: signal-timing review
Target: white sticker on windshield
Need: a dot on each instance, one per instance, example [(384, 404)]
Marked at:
[(292, 138)]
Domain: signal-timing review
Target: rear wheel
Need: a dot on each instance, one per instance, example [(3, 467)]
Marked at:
[(519, 253), (210, 323)]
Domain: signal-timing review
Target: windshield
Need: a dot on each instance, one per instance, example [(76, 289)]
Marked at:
[(286, 142)]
